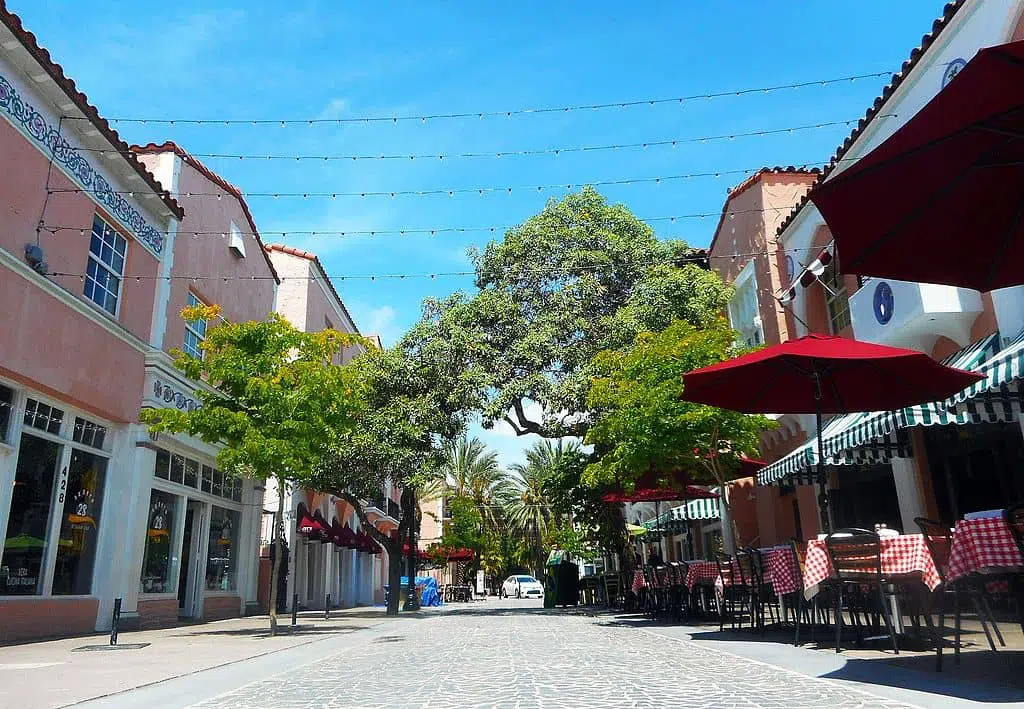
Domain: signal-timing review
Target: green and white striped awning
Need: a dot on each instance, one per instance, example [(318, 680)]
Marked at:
[(675, 520), (801, 461), (997, 397), (873, 437)]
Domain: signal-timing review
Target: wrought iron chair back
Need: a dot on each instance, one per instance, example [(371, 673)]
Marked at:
[(1014, 517), (939, 540), (855, 554)]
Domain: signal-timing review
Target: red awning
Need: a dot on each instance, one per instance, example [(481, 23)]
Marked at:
[(324, 534), (940, 200), (347, 537), (658, 487), (309, 525)]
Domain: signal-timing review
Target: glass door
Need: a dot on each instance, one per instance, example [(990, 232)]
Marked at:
[(193, 560), (23, 561)]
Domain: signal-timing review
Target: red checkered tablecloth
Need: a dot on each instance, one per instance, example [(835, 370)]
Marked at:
[(901, 556), (638, 581), (982, 546), (701, 572), (780, 570)]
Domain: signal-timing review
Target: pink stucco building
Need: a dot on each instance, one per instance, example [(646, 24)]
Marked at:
[(97, 259)]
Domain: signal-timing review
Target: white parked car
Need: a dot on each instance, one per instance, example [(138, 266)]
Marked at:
[(522, 587)]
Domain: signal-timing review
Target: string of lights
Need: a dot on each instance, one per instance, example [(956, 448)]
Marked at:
[(508, 113), (644, 145), (555, 270), (451, 192), (731, 214)]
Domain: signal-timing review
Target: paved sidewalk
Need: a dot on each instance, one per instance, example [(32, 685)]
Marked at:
[(60, 673)]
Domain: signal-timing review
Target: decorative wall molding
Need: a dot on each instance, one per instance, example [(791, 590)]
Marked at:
[(181, 400), (32, 123)]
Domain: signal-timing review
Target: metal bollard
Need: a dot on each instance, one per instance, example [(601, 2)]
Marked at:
[(327, 607), (115, 621), (295, 609)]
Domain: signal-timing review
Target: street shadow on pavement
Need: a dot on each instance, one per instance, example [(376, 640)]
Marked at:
[(286, 631), (918, 673), (491, 611), (982, 676)]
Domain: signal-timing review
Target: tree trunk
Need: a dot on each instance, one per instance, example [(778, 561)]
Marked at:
[(409, 505), (393, 545), (276, 566)]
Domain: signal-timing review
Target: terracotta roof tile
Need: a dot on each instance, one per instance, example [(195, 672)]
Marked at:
[(81, 101), (948, 12), (172, 147), (292, 251)]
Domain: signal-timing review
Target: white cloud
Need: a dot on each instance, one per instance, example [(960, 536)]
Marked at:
[(336, 108), (380, 319)]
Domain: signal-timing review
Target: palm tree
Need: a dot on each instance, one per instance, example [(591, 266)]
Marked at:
[(525, 497), (526, 507), (473, 471)]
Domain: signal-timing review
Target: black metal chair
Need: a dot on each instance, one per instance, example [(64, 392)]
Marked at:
[(763, 593), (856, 560), (939, 540), (735, 597)]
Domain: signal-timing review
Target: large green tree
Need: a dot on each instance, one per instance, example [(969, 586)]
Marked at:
[(642, 425), (273, 403), (416, 396), (580, 277)]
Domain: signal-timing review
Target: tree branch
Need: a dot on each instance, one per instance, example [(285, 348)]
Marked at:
[(525, 424), (392, 544)]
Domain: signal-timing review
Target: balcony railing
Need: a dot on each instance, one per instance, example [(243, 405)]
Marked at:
[(394, 509)]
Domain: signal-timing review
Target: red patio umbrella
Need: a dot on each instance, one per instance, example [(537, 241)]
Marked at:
[(823, 374), (942, 199)]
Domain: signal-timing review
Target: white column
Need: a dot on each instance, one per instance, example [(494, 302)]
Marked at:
[(907, 493), (123, 524), (728, 542)]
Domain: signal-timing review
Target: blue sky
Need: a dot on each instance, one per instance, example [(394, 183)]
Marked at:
[(257, 59)]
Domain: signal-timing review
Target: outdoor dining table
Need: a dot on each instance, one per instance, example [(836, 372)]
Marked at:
[(701, 573), (904, 555), (983, 544)]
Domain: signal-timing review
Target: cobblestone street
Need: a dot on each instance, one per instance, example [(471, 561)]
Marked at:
[(497, 655)]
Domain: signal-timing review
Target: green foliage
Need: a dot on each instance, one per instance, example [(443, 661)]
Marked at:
[(473, 471), (273, 401), (464, 529), (580, 277), (572, 539), (642, 425)]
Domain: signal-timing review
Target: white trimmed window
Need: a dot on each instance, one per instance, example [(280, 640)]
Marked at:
[(195, 330), (105, 269), (836, 297), (744, 309)]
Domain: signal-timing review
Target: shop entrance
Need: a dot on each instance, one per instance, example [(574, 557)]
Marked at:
[(975, 467), (190, 575)]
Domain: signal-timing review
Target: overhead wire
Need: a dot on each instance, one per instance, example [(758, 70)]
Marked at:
[(555, 270), (530, 152), (507, 113), (52, 228), (451, 191)]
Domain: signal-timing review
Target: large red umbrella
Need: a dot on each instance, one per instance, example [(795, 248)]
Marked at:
[(824, 374), (942, 199)]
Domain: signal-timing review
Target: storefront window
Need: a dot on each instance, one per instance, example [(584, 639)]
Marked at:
[(221, 557), (157, 568), (81, 500), (21, 566)]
